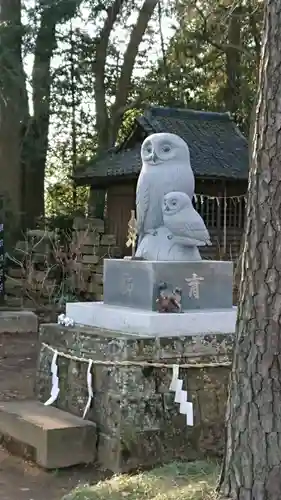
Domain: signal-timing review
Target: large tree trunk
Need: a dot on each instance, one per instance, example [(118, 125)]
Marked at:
[(12, 102), (252, 463), (36, 140), (97, 196), (109, 120), (35, 145), (233, 62)]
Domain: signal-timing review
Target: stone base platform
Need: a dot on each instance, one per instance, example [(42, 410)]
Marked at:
[(48, 436), (18, 322), (151, 323), (136, 418)]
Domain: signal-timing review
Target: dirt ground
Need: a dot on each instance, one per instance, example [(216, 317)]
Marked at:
[(20, 480)]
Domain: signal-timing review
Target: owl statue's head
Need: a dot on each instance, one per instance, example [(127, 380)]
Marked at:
[(164, 148), (175, 201)]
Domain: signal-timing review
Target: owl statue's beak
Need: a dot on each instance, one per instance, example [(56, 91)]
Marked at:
[(154, 157)]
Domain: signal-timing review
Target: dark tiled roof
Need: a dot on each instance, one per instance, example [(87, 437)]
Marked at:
[(217, 147)]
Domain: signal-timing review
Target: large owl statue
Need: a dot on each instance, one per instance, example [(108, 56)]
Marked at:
[(165, 168), (186, 226)]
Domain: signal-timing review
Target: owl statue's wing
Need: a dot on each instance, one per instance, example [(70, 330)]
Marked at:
[(142, 201), (188, 225), (194, 227)]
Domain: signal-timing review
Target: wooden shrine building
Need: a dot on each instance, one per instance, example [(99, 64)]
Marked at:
[(219, 159)]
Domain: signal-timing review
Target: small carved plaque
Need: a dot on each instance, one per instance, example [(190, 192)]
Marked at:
[(127, 285), (193, 283)]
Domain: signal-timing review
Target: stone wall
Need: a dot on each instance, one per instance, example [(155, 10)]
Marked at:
[(48, 267), (138, 423), (94, 246)]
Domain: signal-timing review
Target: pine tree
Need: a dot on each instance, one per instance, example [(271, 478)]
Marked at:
[(252, 463)]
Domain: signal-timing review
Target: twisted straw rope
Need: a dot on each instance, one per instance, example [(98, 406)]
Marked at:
[(142, 364)]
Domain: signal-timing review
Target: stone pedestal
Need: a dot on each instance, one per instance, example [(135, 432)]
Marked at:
[(205, 284), (132, 287), (151, 323), (137, 420)]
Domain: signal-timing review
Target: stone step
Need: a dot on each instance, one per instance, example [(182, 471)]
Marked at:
[(50, 437), (18, 322)]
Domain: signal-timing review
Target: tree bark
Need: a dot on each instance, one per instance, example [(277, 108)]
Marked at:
[(233, 62), (252, 462), (13, 98), (96, 201), (108, 120), (102, 115), (38, 127), (35, 142), (124, 83)]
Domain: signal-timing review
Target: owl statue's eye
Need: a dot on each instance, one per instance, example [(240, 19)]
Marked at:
[(166, 148), (149, 149), (174, 203)]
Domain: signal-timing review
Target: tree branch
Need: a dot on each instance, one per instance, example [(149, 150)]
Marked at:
[(51, 16), (123, 86), (254, 30), (164, 55), (99, 70), (206, 36)]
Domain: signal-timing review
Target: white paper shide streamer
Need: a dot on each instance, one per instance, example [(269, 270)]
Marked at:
[(176, 370), (90, 389), (181, 396), (55, 381), (186, 407)]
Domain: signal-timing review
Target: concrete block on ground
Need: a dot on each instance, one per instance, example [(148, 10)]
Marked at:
[(18, 322), (54, 438)]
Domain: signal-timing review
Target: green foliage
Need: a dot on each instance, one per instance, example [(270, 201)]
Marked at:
[(127, 124), (192, 71), (202, 67), (60, 200), (210, 62), (73, 127), (74, 137)]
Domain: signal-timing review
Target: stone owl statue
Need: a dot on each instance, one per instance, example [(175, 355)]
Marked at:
[(186, 226), (165, 168)]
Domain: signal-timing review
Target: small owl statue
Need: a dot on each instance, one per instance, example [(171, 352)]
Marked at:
[(184, 223)]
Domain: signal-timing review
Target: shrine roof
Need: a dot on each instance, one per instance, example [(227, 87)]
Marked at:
[(217, 147)]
